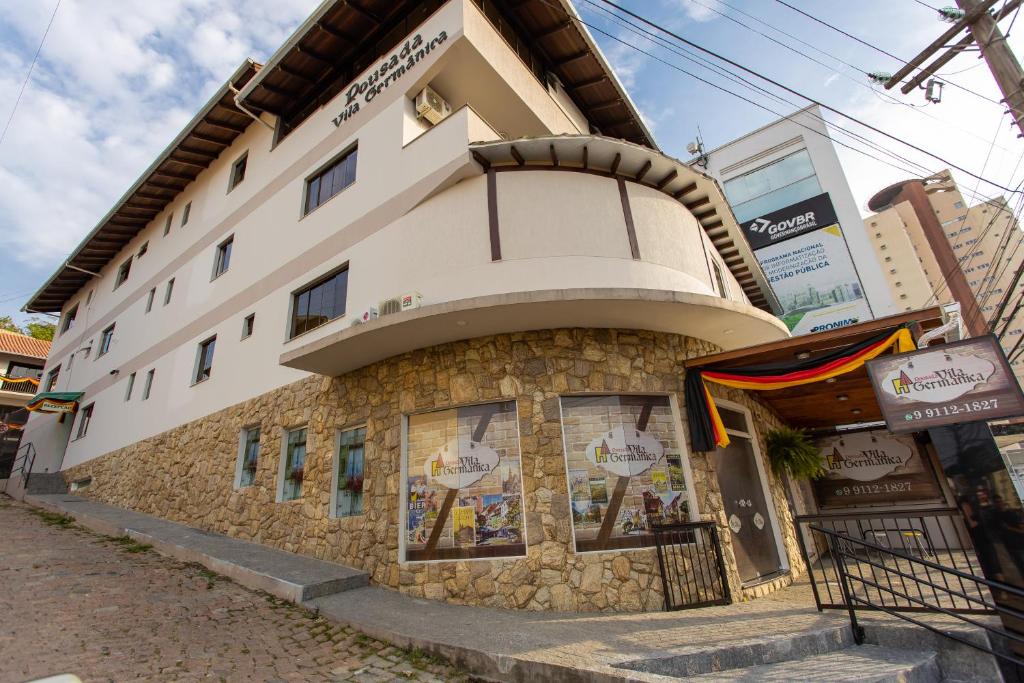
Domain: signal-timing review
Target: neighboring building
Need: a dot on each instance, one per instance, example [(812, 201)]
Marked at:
[(788, 191), (21, 368), (401, 319), (983, 243)]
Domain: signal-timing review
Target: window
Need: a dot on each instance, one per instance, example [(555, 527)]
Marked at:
[(106, 337), (465, 460), (88, 297), (51, 379), (167, 223), (248, 324), (779, 184), (719, 280), (69, 319), (238, 171), (204, 360), (222, 260), (168, 291), (148, 386), (347, 494), (293, 465), (143, 249), (185, 213), (84, 420), (149, 299), (878, 234), (319, 303), (248, 457), (331, 180), (17, 370), (888, 259), (122, 273), (596, 429)]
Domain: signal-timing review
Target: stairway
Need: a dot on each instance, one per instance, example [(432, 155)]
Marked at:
[(826, 655)]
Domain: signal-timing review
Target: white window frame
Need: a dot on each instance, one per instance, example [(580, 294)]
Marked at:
[(243, 436), (283, 461), (336, 466)]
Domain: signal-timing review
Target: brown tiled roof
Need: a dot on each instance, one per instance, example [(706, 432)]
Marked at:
[(23, 345)]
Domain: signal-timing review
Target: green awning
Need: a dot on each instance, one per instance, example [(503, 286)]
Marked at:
[(55, 402)]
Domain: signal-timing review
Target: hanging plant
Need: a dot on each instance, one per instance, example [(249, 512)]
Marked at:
[(792, 451), (297, 475)]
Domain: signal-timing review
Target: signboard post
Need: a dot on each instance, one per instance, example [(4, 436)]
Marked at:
[(966, 381)]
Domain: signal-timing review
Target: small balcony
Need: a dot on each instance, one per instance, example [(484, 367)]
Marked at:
[(18, 387)]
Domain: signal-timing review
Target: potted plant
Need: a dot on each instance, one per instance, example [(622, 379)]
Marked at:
[(297, 475), (793, 452), (354, 483)]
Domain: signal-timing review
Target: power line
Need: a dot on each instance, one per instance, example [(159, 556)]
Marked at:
[(801, 95), (925, 4), (28, 75)]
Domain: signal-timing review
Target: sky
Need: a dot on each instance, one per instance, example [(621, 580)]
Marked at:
[(116, 80)]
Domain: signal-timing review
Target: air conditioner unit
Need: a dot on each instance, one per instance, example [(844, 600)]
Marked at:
[(405, 302), (431, 106), (368, 314)]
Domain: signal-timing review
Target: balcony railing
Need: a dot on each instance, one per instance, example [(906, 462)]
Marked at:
[(19, 386)]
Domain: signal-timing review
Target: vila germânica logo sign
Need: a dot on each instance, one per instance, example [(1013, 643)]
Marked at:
[(387, 72), (625, 451), (460, 463), (938, 377), (865, 457)]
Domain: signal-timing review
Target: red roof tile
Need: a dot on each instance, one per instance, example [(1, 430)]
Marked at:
[(23, 345)]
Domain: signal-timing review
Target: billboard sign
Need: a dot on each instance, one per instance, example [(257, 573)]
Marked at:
[(966, 381), (791, 221), (815, 281)]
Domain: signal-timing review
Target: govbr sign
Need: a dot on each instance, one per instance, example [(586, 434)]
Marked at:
[(795, 219), (965, 381)]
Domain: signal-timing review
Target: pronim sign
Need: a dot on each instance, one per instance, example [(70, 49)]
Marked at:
[(792, 221), (965, 381)]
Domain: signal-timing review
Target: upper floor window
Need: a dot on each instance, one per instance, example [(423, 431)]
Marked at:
[(149, 299), (780, 183), (319, 303), (122, 273), (148, 386), (238, 171), (69, 319), (167, 223), (84, 420), (51, 379), (168, 291), (143, 249), (222, 261), (331, 180), (185, 214), (720, 280), (129, 387), (204, 360), (248, 325), (106, 338)]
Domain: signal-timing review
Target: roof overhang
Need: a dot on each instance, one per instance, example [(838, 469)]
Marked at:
[(822, 405), (342, 38), (202, 140), (697, 191)]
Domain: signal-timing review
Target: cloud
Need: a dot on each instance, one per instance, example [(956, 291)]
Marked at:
[(700, 10), (113, 85)]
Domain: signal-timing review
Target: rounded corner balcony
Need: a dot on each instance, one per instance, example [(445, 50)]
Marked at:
[(555, 232)]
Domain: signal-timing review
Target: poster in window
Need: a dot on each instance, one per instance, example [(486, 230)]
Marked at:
[(871, 468), (464, 493), (624, 467)]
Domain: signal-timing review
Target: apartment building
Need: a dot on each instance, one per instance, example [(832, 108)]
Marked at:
[(21, 367), (378, 299), (984, 240)]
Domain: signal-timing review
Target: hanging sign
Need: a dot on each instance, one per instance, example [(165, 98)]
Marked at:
[(873, 467), (625, 451), (965, 381), (793, 220), (459, 464)]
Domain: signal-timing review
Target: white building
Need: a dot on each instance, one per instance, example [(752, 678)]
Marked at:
[(537, 265)]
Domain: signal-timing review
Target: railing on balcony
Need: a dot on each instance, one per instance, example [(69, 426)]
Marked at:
[(19, 385), (692, 569)]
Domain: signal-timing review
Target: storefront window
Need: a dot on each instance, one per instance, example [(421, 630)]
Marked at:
[(625, 469), (464, 498), (348, 478), (294, 464)]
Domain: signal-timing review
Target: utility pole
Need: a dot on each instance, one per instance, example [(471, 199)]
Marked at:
[(991, 43)]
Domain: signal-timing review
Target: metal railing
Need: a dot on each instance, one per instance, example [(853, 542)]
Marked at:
[(937, 534), (23, 463), (878, 578), (19, 387), (692, 569)]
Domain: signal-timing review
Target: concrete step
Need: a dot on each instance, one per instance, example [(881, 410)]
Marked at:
[(289, 576), (858, 664), (747, 653)]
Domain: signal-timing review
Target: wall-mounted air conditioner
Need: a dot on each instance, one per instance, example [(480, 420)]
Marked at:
[(405, 302), (431, 106)]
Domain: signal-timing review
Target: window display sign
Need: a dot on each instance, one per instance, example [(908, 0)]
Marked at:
[(872, 468), (624, 467), (792, 221), (965, 381), (464, 497)]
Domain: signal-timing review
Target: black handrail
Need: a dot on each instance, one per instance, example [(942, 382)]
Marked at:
[(27, 455), (691, 565), (844, 549)]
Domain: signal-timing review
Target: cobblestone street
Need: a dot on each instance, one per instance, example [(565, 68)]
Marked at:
[(111, 610)]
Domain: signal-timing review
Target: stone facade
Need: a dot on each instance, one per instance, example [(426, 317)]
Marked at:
[(187, 474)]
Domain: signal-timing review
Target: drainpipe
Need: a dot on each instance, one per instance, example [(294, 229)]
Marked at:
[(248, 112)]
